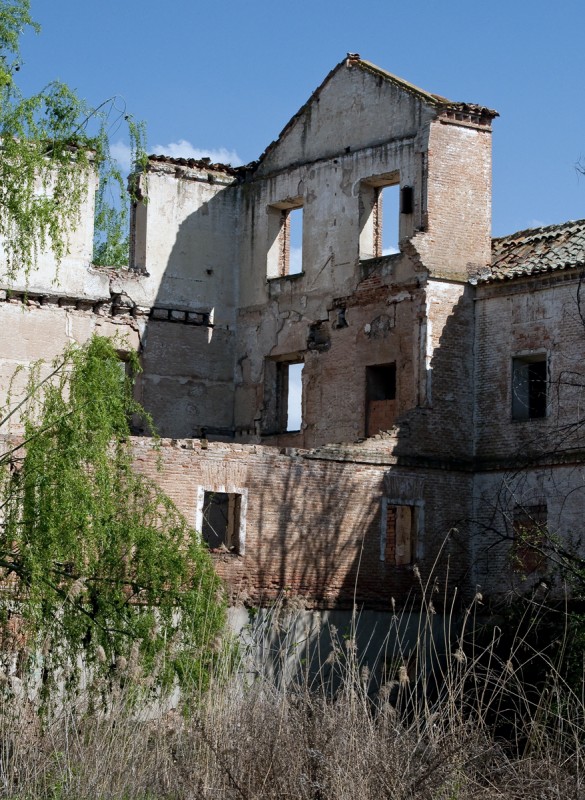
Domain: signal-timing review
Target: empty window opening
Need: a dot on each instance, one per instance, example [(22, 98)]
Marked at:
[(285, 235), (221, 521), (380, 398), (294, 225), (380, 206), (529, 387), (400, 534), (529, 525), (138, 230), (292, 395), (388, 219), (283, 396)]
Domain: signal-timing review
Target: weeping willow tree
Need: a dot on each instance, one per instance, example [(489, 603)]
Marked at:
[(50, 143), (97, 565)]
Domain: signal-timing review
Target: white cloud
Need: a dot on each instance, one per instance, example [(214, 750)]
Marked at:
[(536, 223), (184, 149), (390, 251), (121, 153)]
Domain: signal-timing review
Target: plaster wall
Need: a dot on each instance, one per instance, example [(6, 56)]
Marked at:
[(363, 109), (74, 276), (397, 139), (185, 242), (177, 308), (32, 331), (523, 318)]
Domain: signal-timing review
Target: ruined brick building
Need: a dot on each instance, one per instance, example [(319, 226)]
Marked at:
[(441, 384)]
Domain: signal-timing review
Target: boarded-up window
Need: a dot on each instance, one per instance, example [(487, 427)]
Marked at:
[(221, 521), (380, 398), (530, 531), (401, 534)]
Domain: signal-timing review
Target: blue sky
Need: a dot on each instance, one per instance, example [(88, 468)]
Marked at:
[(224, 77)]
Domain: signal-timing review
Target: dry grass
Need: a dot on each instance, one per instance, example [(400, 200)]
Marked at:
[(455, 725)]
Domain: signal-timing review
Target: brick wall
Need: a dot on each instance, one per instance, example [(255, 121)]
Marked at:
[(313, 523)]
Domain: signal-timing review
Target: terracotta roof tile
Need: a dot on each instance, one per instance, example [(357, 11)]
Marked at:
[(537, 250)]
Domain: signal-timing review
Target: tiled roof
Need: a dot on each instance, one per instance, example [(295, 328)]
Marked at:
[(537, 250)]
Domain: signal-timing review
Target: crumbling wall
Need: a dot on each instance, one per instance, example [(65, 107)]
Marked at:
[(457, 236), (346, 312), (176, 305), (532, 317), (313, 520)]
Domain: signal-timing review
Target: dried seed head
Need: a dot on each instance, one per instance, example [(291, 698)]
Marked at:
[(100, 654), (121, 664), (134, 652), (403, 676), (478, 598), (384, 692), (76, 588), (460, 656), (509, 667), (365, 674), (416, 571)]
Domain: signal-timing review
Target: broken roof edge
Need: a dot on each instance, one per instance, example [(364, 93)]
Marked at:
[(354, 60), (435, 100), (351, 60), (296, 116), (196, 163)]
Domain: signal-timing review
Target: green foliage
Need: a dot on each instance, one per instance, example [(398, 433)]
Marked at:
[(104, 565), (51, 143), (111, 238)]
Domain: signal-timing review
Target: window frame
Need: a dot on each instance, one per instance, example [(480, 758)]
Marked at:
[(417, 526), (276, 394), (371, 234), (370, 372), (240, 534), (528, 401), (279, 246)]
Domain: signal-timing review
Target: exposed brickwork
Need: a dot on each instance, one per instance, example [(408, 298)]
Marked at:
[(313, 526)]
